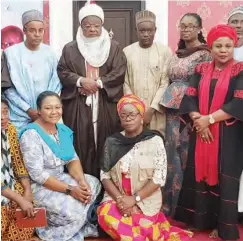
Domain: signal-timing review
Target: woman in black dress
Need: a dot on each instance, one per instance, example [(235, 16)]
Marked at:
[(214, 103)]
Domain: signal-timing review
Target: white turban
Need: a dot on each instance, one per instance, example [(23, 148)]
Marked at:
[(236, 10), (91, 10)]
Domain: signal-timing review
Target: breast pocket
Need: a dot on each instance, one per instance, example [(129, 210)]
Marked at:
[(146, 169)]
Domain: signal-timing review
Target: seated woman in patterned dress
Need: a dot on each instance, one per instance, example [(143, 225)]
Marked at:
[(134, 167), (47, 147), (15, 183)]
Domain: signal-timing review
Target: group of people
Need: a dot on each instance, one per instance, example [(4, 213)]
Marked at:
[(123, 139)]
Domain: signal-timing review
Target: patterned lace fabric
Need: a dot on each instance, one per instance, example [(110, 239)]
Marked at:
[(158, 158)]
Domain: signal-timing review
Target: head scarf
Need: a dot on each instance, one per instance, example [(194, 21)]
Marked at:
[(133, 100), (221, 30), (145, 16), (94, 50), (32, 15), (206, 155), (236, 10), (91, 10)]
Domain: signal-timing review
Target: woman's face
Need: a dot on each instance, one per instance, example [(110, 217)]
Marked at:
[(4, 116), (189, 28), (51, 110), (91, 26), (131, 120), (222, 50)]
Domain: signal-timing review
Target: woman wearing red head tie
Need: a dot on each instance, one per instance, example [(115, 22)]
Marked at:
[(214, 102)]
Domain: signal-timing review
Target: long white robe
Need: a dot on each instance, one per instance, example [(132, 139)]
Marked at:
[(147, 77), (31, 72)]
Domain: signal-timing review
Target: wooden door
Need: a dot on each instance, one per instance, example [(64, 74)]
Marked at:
[(119, 19)]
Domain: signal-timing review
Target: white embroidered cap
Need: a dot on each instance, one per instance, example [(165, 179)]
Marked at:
[(91, 9), (236, 10)]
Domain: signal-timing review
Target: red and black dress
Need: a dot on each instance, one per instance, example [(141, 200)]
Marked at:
[(202, 205)]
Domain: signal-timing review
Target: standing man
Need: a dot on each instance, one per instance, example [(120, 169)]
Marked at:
[(236, 21), (146, 75), (32, 67), (92, 71)]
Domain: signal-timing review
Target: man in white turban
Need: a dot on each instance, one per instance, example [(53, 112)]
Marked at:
[(32, 68), (235, 20), (92, 71)]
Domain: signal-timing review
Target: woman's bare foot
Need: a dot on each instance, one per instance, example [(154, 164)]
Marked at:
[(214, 234)]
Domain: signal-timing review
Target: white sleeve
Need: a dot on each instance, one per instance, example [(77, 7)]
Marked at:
[(33, 156), (78, 84), (160, 163)]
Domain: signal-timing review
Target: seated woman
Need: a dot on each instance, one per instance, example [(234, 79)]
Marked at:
[(15, 183), (134, 167), (214, 102), (47, 147)]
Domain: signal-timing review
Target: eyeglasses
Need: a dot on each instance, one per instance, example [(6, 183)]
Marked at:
[(132, 116), (190, 27)]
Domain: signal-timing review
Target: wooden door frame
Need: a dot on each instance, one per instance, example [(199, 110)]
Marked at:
[(75, 13)]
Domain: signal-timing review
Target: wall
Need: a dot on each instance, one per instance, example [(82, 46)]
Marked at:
[(168, 13), (61, 26), (160, 8), (211, 12)]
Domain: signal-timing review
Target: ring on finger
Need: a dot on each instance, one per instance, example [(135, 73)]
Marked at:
[(125, 215)]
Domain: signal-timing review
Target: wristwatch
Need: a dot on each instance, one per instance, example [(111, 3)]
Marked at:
[(137, 197), (69, 189), (211, 119)]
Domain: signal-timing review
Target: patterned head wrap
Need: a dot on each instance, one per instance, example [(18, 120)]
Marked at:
[(32, 15), (221, 30), (145, 16), (91, 9), (133, 100), (236, 10)]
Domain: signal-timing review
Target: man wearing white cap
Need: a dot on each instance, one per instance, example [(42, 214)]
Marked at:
[(92, 71), (236, 21), (147, 75), (32, 67)]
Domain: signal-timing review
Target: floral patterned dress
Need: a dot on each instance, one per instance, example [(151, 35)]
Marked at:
[(177, 132), (66, 216)]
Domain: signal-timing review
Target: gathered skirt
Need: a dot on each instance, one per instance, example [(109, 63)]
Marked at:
[(137, 227)]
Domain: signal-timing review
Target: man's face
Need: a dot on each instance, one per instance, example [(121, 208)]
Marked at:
[(91, 26), (34, 32), (236, 21), (146, 32)]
